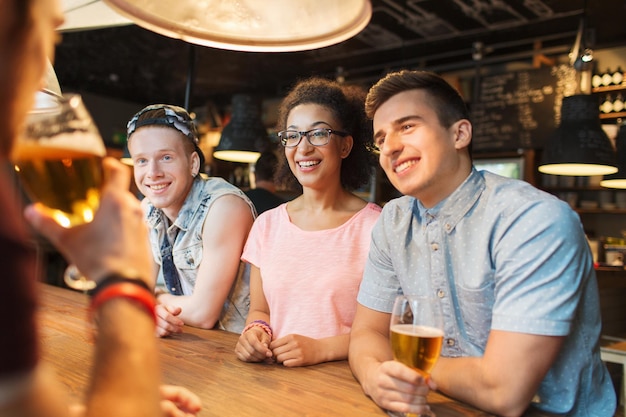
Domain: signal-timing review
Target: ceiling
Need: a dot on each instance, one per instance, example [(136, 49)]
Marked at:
[(134, 64)]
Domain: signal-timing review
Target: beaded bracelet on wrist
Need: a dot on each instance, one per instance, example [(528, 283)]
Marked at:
[(262, 324)]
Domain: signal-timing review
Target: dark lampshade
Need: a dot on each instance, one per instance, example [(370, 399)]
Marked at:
[(579, 146), (618, 180), (126, 159), (244, 137)]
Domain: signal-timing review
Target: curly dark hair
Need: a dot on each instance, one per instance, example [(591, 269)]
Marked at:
[(347, 104)]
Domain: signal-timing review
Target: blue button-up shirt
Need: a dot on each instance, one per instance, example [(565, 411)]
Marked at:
[(499, 254)]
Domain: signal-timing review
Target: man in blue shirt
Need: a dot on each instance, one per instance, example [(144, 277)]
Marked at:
[(509, 264)]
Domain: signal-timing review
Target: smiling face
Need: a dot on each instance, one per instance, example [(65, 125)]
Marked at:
[(420, 156), (164, 167), (316, 166)]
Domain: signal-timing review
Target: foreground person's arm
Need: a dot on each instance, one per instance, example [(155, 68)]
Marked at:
[(126, 363), (126, 372)]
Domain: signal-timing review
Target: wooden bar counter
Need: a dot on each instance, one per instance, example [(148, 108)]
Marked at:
[(204, 361)]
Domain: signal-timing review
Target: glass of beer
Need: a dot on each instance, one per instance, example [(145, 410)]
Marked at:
[(416, 333), (58, 160)]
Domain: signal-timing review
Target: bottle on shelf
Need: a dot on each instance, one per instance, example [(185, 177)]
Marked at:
[(618, 103), (607, 105), (596, 80), (607, 78), (618, 76)]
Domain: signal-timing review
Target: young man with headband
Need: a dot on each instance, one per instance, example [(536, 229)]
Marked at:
[(198, 226)]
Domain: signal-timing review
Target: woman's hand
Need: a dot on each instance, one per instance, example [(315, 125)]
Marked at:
[(253, 345), (296, 350)]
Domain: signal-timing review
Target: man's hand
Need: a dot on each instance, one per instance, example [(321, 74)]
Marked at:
[(167, 321), (179, 401), (176, 401), (396, 387), (117, 238)]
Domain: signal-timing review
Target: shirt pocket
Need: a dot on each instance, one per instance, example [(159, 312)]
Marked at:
[(476, 306), (188, 258)]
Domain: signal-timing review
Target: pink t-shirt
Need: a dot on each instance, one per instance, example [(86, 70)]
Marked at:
[(310, 278)]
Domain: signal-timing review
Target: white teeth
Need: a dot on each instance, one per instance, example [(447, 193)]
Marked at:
[(405, 165), (306, 164), (158, 187)]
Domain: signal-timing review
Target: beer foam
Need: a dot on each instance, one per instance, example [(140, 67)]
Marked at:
[(421, 331), (61, 146)]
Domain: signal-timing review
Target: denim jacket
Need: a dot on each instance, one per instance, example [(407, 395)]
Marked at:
[(187, 247)]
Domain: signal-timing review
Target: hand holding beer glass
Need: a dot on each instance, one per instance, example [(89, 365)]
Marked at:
[(416, 333), (58, 159)]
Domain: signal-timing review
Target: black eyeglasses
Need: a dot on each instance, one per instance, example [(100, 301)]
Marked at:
[(316, 137)]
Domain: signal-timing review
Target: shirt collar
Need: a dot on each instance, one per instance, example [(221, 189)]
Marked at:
[(454, 207)]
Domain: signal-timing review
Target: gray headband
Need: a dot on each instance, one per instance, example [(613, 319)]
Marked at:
[(175, 117)]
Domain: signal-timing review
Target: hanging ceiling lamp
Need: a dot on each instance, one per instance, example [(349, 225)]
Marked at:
[(579, 146), (126, 158), (618, 180), (251, 25), (244, 137), (89, 14), (48, 97)]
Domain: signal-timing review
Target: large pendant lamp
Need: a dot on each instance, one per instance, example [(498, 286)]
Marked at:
[(579, 146), (251, 25), (48, 97), (245, 136), (89, 14), (618, 180)]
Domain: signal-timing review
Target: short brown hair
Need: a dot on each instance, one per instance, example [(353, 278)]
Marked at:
[(447, 101)]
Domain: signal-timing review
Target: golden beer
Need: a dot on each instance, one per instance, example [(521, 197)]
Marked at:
[(418, 347), (58, 159), (67, 181)]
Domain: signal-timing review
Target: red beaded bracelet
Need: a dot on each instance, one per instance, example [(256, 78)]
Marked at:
[(133, 291), (262, 324)]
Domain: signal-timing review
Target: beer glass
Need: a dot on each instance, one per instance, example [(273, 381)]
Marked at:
[(58, 159), (416, 333)]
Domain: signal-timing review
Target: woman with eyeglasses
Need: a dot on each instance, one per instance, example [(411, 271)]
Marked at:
[(307, 255)]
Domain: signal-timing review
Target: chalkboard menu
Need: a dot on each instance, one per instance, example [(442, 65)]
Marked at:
[(519, 110)]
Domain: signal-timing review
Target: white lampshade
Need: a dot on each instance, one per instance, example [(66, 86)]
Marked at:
[(89, 14), (251, 25), (47, 98)]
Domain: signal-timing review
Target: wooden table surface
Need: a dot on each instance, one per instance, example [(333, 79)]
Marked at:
[(204, 361)]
